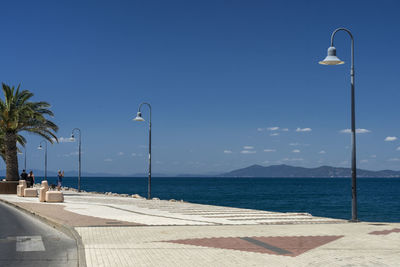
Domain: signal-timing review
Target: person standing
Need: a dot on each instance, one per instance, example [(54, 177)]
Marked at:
[(23, 175), (31, 178), (60, 176)]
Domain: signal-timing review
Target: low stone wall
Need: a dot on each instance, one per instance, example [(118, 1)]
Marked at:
[(8, 187)]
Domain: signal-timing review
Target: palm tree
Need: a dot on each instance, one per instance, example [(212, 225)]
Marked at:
[(20, 140), (18, 114)]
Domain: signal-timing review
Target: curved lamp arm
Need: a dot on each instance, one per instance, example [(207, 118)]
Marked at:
[(352, 43), (76, 129), (147, 104)]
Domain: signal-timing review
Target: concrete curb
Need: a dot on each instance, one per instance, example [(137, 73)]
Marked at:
[(68, 230)]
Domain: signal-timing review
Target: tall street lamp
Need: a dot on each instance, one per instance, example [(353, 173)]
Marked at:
[(140, 118), (24, 156), (45, 157), (332, 59), (79, 161)]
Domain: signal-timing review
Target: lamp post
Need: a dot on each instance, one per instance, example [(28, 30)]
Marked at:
[(140, 118), (332, 59), (45, 157), (79, 161), (24, 156)]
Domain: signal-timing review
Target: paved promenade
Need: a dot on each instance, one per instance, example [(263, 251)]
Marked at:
[(127, 231)]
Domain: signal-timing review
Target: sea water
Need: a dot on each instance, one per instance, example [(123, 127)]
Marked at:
[(378, 198)]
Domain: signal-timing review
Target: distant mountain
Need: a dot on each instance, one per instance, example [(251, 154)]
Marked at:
[(277, 171), (292, 171)]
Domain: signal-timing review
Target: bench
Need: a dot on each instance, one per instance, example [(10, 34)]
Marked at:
[(42, 191), (21, 187), (54, 196), (30, 192)]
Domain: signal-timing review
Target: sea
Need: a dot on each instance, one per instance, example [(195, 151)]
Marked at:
[(378, 198)]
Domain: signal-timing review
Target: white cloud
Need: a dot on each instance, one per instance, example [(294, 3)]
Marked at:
[(322, 152), (394, 159), (121, 153), (292, 159), (274, 134), (345, 162), (296, 150), (228, 151), (390, 138), (363, 161), (359, 131), (247, 151), (303, 130), (294, 144), (248, 147), (285, 130), (63, 140), (72, 154), (275, 128), (373, 156), (398, 148), (269, 150), (266, 161), (108, 160), (260, 129)]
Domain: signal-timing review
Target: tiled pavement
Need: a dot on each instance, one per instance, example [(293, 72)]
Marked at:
[(120, 231), (308, 245), (160, 212)]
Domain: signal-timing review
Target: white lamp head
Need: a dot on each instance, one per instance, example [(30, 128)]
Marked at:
[(72, 138), (40, 147), (331, 58), (138, 117)]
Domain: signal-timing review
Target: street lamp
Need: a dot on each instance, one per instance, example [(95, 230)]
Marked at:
[(140, 118), (45, 157), (24, 156), (332, 59), (79, 161)]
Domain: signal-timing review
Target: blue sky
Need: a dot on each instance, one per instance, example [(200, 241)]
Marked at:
[(220, 75)]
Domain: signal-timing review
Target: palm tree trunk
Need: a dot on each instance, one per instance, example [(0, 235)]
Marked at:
[(10, 141)]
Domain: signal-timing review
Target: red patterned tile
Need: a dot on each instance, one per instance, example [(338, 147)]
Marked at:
[(385, 232), (279, 245)]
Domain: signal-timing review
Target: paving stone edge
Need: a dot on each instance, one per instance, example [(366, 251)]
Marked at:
[(68, 230)]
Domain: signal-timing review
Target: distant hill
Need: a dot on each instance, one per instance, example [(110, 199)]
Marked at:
[(292, 171), (251, 171)]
